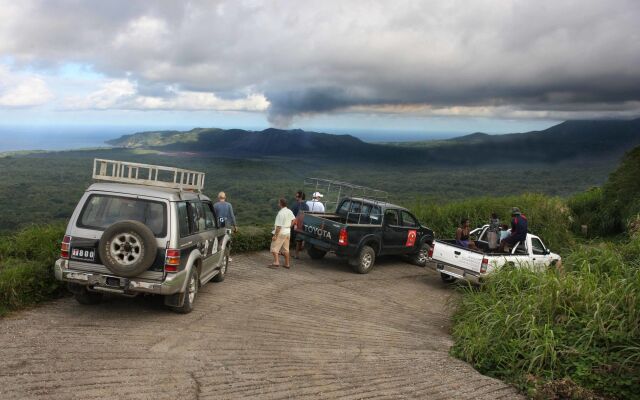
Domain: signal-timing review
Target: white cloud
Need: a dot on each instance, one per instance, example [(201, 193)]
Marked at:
[(22, 90), (124, 94)]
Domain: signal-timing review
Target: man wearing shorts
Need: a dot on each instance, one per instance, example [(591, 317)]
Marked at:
[(281, 234)]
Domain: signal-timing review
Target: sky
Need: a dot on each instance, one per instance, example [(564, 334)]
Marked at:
[(495, 66)]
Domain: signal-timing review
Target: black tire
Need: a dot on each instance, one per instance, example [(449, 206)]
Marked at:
[(447, 278), (422, 256), (83, 296), (127, 248), (363, 263), (315, 253), (191, 293), (223, 269)]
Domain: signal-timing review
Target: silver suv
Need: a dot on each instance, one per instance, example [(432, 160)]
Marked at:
[(145, 229)]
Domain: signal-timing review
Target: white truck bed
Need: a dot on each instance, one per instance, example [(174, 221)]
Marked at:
[(457, 262)]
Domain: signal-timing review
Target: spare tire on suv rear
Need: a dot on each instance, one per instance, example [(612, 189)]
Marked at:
[(127, 248)]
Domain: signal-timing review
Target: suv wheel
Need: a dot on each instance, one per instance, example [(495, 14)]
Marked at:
[(363, 263), (127, 248), (83, 296), (223, 269), (315, 253), (191, 293), (421, 257)]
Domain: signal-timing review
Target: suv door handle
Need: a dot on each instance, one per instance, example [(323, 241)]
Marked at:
[(456, 253)]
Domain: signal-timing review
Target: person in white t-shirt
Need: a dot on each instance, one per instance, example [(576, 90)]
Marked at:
[(281, 234), (315, 205)]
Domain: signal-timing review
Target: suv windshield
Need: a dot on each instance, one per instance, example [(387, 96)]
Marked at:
[(100, 211)]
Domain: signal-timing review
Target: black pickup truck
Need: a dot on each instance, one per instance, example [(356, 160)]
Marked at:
[(363, 229)]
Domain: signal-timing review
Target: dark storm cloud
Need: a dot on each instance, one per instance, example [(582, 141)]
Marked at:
[(310, 57)]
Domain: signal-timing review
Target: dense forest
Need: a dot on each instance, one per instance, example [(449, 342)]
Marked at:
[(45, 187)]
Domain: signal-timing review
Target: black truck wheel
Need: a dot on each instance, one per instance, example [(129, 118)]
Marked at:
[(363, 263), (315, 253), (190, 294), (422, 256), (127, 248)]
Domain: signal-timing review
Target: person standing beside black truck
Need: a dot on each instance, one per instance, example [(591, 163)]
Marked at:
[(299, 205)]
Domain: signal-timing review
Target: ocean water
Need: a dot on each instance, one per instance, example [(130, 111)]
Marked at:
[(42, 138)]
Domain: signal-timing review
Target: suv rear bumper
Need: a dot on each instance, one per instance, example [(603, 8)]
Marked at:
[(172, 283)]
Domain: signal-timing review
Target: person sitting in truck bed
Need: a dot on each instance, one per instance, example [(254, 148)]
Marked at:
[(315, 205), (519, 229), (462, 235)]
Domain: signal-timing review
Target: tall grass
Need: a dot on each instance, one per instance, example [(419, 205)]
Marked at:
[(548, 217), (580, 326), (26, 266)]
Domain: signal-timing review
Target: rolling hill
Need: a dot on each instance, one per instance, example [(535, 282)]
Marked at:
[(570, 140)]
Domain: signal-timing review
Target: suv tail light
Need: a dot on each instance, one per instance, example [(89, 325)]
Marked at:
[(484, 265), (65, 246), (430, 252), (342, 238), (172, 260)]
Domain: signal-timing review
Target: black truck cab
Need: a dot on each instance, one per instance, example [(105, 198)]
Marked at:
[(362, 229)]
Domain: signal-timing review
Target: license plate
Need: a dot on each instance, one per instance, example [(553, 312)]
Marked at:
[(78, 276), (83, 254)]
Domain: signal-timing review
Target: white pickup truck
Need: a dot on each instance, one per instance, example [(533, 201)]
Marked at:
[(457, 262)]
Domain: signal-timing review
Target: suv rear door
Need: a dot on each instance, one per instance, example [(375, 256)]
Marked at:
[(99, 210), (198, 230)]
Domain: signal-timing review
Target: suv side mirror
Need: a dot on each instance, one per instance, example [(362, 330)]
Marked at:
[(547, 251)]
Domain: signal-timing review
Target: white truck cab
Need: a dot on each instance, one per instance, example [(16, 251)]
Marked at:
[(457, 262)]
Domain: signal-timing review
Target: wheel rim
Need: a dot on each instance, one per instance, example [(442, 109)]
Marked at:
[(367, 259), (423, 254), (193, 289), (126, 248)]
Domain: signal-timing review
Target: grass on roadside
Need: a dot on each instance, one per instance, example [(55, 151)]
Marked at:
[(572, 333)]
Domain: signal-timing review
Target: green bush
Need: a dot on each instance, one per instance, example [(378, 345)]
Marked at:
[(548, 217), (251, 238), (580, 326), (26, 266), (614, 208)]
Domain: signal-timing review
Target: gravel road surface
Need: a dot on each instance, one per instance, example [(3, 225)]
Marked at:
[(313, 332)]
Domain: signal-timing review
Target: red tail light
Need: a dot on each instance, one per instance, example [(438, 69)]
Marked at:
[(430, 252), (484, 265), (342, 238), (172, 260), (65, 246)]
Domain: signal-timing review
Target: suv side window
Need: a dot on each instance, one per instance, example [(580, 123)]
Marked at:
[(537, 247), (197, 216), (376, 215), (191, 217), (183, 219), (209, 216), (391, 217), (408, 220)]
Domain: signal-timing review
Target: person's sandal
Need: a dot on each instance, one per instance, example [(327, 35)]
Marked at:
[(286, 266), (273, 266)]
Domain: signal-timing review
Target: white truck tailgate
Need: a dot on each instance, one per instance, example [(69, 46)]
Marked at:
[(457, 256)]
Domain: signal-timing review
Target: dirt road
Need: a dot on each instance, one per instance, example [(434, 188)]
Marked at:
[(316, 331)]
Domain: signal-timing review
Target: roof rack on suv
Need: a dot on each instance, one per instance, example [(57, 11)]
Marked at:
[(146, 174)]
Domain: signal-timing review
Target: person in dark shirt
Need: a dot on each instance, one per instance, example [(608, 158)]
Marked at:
[(519, 229), (224, 212), (299, 205)]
